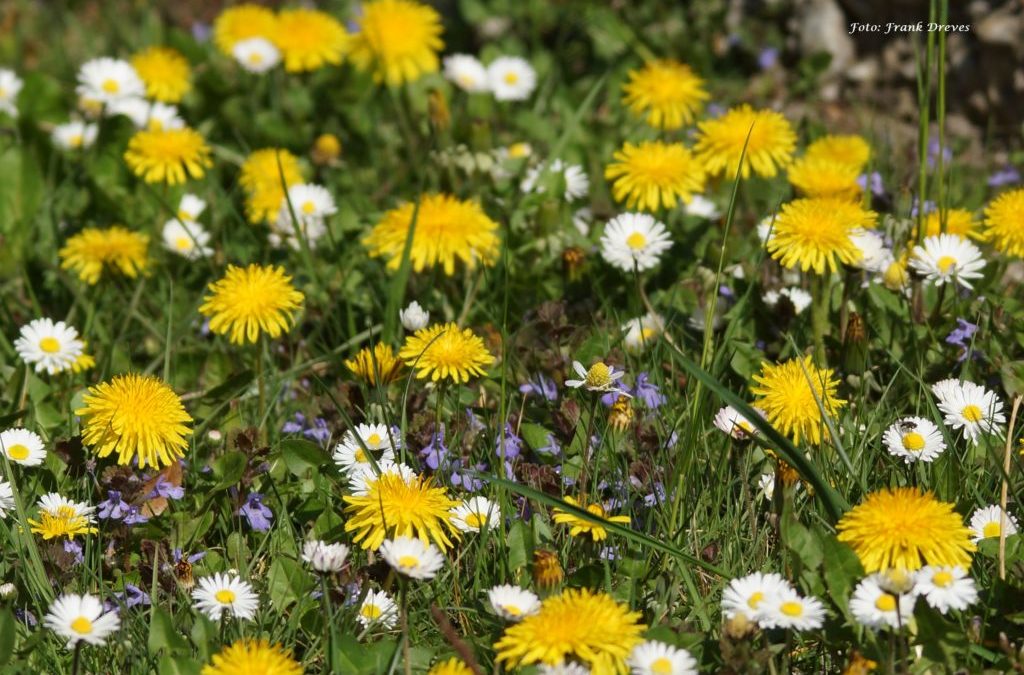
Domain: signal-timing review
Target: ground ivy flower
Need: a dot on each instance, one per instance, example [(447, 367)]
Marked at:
[(81, 618), (225, 593), (445, 351), (251, 300), (258, 514), (397, 41), (92, 251), (668, 93), (793, 394), (962, 336)]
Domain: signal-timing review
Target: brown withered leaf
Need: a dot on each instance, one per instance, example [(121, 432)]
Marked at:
[(174, 475)]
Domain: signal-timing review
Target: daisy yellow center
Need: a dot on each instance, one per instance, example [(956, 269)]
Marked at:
[(518, 150), (407, 562), (81, 625), (599, 375), (913, 442), (111, 86), (255, 58), (374, 439), (183, 243), (75, 141), (50, 345), (972, 413), (308, 207), (17, 452), (474, 520), (755, 599), (661, 665), (225, 596), (745, 426), (946, 263), (636, 241), (371, 611), (792, 608), (361, 456), (885, 603), (511, 78), (466, 81), (991, 529), (512, 610), (942, 579)]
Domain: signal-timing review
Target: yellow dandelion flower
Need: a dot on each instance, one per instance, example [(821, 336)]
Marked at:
[(84, 361), (445, 351), (668, 92), (377, 364), (261, 179), (309, 39), (394, 506), (138, 416), (821, 177), (93, 250), (895, 277), (583, 526), (165, 72), (654, 175), (547, 570), (851, 150), (815, 233), (1004, 223), (168, 155), (578, 623), (242, 22), (252, 657), (326, 149), (960, 222), (721, 141), (446, 229), (905, 529), (452, 666), (251, 300), (64, 521), (790, 394), (398, 41)]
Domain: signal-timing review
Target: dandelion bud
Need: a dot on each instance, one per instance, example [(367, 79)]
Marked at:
[(326, 149), (437, 110), (547, 570)]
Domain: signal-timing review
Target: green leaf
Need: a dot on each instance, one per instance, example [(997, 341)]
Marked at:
[(228, 469), (287, 583), (518, 545), (535, 435), (842, 570), (178, 666), (7, 635), (163, 634), (302, 456), (204, 637)]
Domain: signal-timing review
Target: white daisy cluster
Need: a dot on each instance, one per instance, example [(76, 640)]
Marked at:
[(311, 205), (144, 114), (476, 513), (577, 184), (969, 407), (49, 346), (508, 78), (880, 602), (350, 453), (184, 235), (634, 241), (112, 87), (771, 602)]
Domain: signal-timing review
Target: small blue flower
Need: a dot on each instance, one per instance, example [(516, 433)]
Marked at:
[(434, 453), (256, 512), (541, 386), (113, 508), (508, 444)]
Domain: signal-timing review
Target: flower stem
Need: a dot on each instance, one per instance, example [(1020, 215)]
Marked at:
[(76, 660), (819, 318), (325, 604)]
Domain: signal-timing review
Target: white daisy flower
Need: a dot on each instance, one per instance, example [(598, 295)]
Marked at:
[(798, 297), (581, 220), (788, 609), (970, 407), (283, 232), (600, 377), (702, 207), (414, 317), (256, 54), (308, 201), (657, 658), (948, 258), (634, 240), (513, 603), (766, 485), (349, 454), (81, 618), (7, 590), (466, 72), (564, 669), (946, 588), (642, 331), (874, 607), (6, 498), (378, 609), (191, 207), (361, 476), (734, 423), (766, 228), (10, 86), (412, 557), (225, 592), (749, 595), (577, 185), (74, 135), (324, 557), (873, 256), (511, 78), (914, 439), (144, 114), (106, 80), (55, 504), (990, 521), (49, 346), (475, 513), (187, 238)]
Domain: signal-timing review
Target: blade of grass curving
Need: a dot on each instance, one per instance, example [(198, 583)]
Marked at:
[(834, 503)]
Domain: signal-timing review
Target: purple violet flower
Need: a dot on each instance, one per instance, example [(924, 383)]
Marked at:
[(256, 512)]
